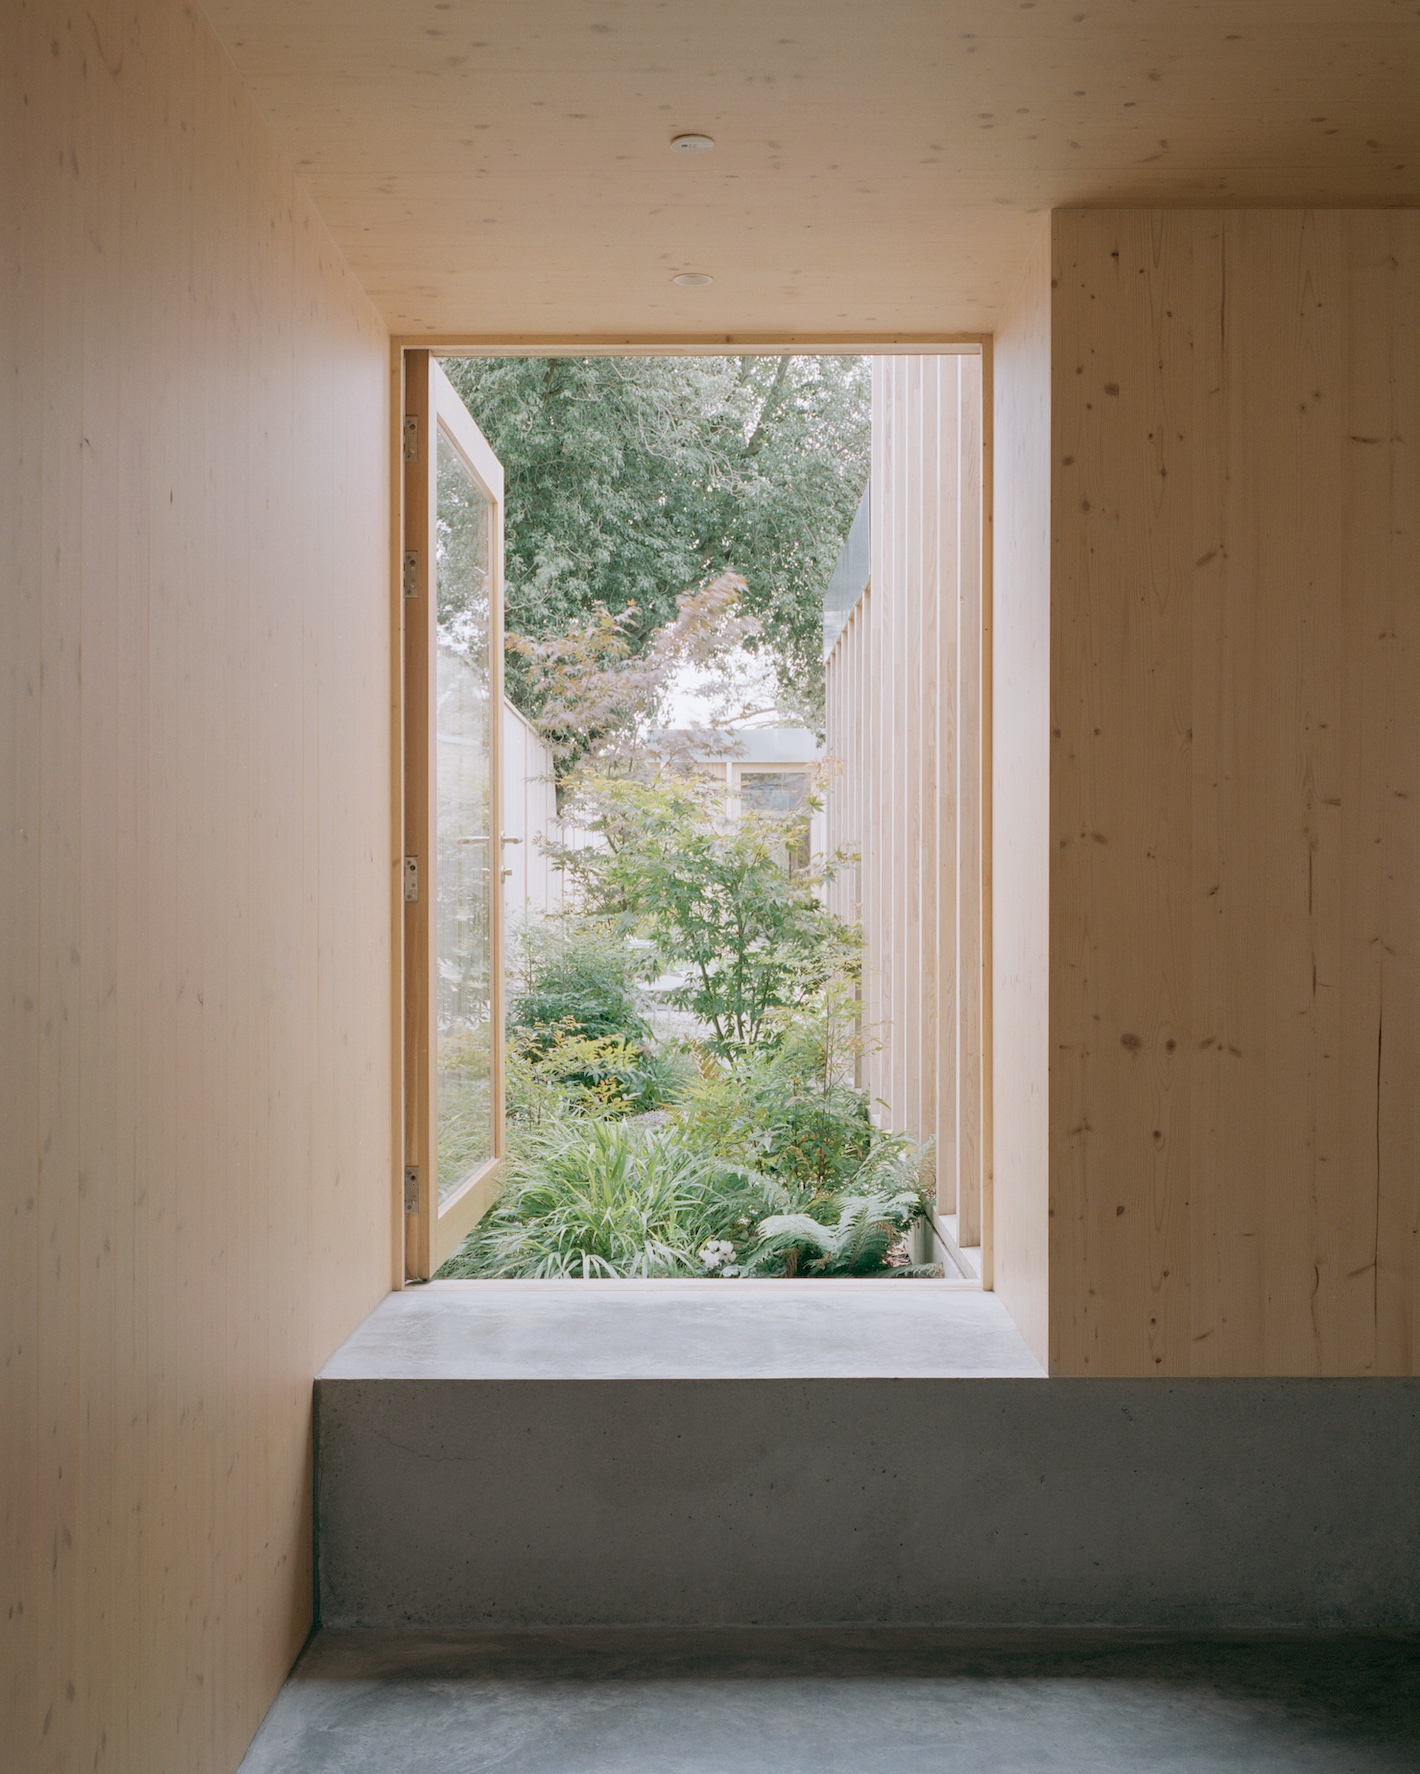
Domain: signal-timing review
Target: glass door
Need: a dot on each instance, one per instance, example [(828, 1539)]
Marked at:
[(453, 865)]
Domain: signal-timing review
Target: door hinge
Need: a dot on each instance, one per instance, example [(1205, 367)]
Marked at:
[(411, 572), (411, 880), (411, 1188), (411, 437)]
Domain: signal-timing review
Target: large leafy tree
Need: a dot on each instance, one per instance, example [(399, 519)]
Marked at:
[(633, 480)]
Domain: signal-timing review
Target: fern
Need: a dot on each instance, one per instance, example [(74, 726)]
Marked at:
[(856, 1244)]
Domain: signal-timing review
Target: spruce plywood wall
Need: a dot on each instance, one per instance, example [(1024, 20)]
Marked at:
[(1020, 811), (196, 886), (905, 732), (1234, 977)]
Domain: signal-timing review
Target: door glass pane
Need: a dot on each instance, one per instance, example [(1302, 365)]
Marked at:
[(466, 853)]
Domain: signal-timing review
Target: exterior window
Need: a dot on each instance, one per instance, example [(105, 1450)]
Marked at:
[(774, 791)]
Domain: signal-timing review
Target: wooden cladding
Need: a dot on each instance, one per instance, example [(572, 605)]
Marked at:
[(1020, 802), (195, 788), (983, 117), (1234, 974), (906, 738)]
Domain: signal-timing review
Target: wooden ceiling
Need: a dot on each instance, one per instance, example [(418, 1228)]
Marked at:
[(503, 168)]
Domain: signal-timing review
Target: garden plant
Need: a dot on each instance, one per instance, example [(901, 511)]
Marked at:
[(743, 1149), (682, 1049)]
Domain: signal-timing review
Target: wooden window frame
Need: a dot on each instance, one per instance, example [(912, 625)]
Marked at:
[(408, 355), (434, 1229)]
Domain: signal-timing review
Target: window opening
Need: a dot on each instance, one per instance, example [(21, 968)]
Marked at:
[(687, 862)]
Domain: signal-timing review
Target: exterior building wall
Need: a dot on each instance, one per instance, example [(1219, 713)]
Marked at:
[(905, 749), (532, 886)]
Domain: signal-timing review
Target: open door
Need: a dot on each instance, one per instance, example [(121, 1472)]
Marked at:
[(453, 868)]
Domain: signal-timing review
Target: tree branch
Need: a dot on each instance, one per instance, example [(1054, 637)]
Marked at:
[(766, 412)]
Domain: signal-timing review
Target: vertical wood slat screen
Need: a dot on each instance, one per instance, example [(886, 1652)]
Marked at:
[(905, 731)]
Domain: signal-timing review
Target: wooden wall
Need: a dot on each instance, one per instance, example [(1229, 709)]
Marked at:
[(196, 886), (984, 117), (1234, 978), (1020, 873), (904, 723)]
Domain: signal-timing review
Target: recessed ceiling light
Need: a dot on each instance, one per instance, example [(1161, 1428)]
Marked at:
[(692, 279), (692, 144)]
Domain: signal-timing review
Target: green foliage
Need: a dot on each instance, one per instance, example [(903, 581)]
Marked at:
[(588, 1196), (834, 1194), (763, 1114), (577, 976), (855, 1234), (593, 1199), (767, 1162), (629, 479), (560, 1071), (465, 1101), (858, 1243), (787, 1108), (715, 898), (577, 1039)]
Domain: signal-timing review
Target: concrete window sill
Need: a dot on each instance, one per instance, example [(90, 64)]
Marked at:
[(693, 1330)]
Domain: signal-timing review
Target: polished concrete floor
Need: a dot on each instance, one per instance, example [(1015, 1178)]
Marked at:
[(846, 1702), (686, 1330)]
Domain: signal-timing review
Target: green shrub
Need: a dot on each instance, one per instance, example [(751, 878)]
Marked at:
[(854, 1234), (859, 1242), (561, 1072), (769, 1162), (588, 1198), (595, 1199), (763, 1112), (578, 976), (834, 1195), (576, 1033)]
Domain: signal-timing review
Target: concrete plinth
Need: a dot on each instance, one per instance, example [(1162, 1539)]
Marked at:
[(796, 1501)]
